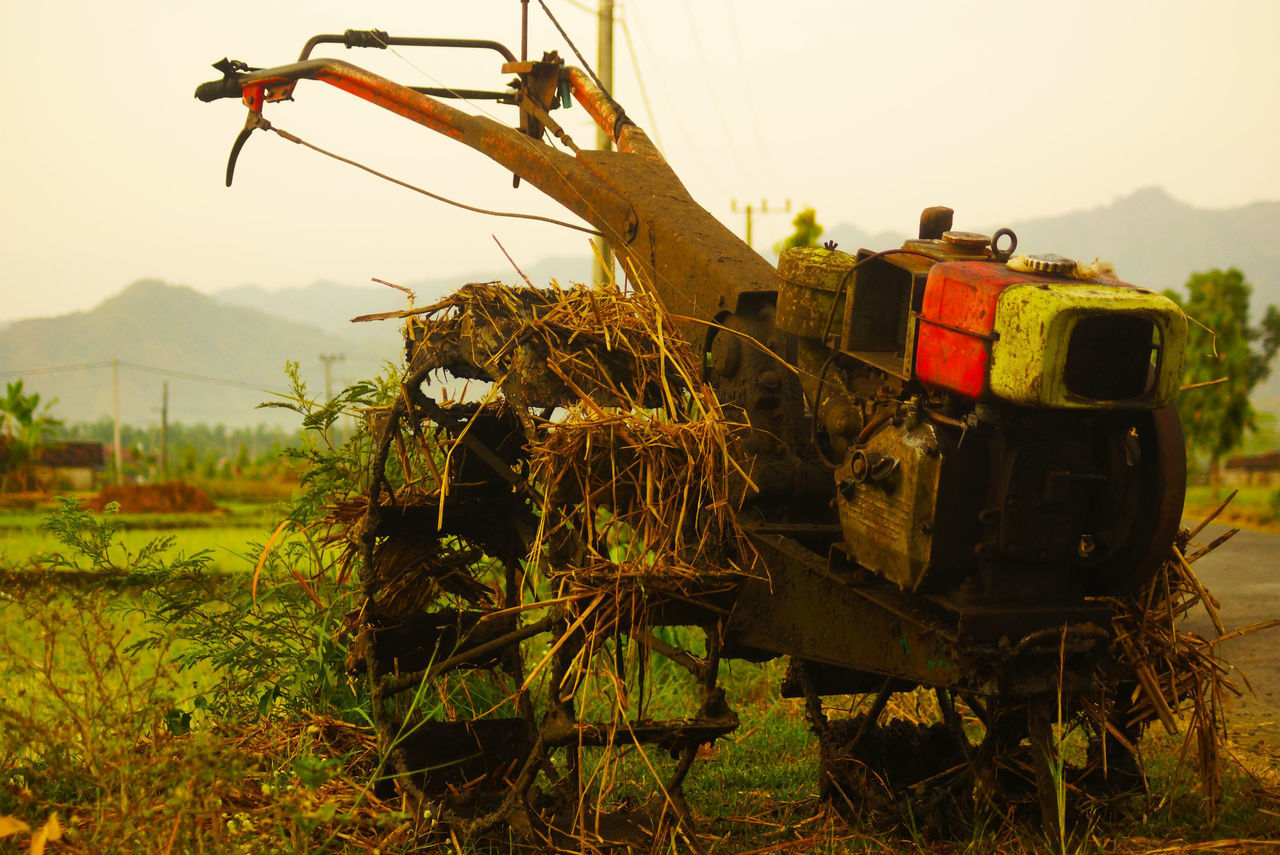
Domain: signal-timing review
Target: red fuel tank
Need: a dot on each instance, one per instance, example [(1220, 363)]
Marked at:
[(957, 321)]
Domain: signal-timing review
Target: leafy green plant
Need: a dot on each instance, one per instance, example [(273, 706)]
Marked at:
[(95, 737), (334, 462), (275, 640), (83, 706), (91, 544), (24, 427)]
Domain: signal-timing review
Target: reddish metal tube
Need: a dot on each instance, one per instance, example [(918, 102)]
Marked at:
[(559, 175), (627, 137), (697, 266)]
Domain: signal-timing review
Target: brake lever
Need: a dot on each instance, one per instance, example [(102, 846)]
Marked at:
[(252, 122)]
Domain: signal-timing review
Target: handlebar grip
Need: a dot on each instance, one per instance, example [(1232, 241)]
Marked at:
[(227, 87)]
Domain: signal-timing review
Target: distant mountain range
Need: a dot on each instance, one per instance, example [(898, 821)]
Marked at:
[(331, 306), (173, 331), (245, 335)]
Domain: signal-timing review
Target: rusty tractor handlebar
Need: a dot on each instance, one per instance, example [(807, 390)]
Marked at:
[(699, 268)]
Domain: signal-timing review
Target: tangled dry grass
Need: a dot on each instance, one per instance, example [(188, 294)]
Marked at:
[(1171, 673), (634, 466), (590, 479)]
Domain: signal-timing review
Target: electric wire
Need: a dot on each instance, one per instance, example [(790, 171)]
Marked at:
[(585, 65), (56, 369), (715, 100), (691, 145), (405, 184), (526, 140), (746, 90), (199, 378), (530, 142), (134, 366), (533, 144), (620, 18), (644, 94)]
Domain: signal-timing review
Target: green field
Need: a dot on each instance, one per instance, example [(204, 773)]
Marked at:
[(229, 533), (1252, 507)]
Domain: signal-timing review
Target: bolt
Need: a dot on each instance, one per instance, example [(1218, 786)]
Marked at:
[(769, 380), (858, 466)]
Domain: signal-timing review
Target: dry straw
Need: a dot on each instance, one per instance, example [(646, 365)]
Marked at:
[(1179, 673), (589, 479), (634, 467)]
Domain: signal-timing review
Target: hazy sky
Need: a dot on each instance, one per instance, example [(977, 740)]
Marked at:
[(868, 111)]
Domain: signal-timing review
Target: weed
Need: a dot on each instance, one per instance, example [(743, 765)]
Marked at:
[(88, 733)]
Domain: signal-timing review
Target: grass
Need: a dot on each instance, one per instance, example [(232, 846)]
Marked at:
[(228, 532), (117, 746), (93, 735), (229, 513), (1253, 507), (100, 739)]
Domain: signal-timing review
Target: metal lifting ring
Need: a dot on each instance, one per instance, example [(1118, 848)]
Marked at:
[(1003, 254)]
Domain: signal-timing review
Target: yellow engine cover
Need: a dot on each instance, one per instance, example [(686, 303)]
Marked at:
[(1087, 345)]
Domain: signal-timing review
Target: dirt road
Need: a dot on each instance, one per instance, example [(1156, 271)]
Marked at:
[(1244, 575)]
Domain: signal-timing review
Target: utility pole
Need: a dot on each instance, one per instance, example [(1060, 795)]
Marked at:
[(328, 359), (115, 430), (604, 68), (164, 433), (764, 209)]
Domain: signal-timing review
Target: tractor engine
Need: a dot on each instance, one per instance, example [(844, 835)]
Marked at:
[(999, 426)]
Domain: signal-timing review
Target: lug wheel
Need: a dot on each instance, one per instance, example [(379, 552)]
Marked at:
[(972, 755), (518, 677)]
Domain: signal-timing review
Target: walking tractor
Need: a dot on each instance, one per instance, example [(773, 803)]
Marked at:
[(943, 468)]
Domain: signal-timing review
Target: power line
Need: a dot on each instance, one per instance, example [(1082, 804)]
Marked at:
[(751, 102), (57, 369), (635, 65), (525, 140), (149, 369), (619, 15), (199, 378), (706, 73), (690, 143)]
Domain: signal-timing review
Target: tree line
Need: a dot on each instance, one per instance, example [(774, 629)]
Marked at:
[(194, 450), (1227, 357)]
